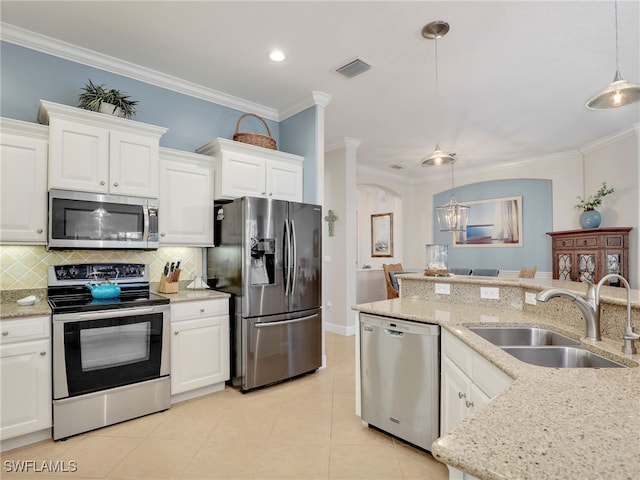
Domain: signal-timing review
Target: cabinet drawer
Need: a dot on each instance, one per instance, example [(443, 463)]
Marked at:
[(199, 308), (489, 378), (457, 352), (19, 330), (563, 242), (614, 241)]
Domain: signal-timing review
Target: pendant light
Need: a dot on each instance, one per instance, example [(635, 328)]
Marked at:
[(619, 92), (452, 216)]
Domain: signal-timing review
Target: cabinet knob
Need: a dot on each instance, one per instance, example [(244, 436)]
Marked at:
[(461, 395), (584, 242), (102, 182), (42, 354), (202, 310), (5, 333), (116, 184), (163, 234), (39, 230), (469, 404), (264, 193), (176, 332), (271, 194)]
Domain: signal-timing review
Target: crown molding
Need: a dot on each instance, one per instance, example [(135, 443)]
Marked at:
[(51, 46), (346, 142), (609, 139), (19, 127), (316, 98)]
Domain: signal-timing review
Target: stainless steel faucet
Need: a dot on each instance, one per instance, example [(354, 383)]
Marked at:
[(590, 308)]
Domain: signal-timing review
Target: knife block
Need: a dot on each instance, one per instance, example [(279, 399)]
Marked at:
[(167, 286)]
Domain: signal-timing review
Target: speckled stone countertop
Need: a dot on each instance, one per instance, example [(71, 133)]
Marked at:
[(193, 295), (551, 423)]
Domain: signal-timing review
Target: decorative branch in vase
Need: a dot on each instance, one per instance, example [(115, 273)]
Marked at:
[(590, 217)]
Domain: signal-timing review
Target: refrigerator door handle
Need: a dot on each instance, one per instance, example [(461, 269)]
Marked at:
[(287, 254), (294, 257), (284, 322)]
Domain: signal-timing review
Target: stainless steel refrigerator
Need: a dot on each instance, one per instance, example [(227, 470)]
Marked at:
[(268, 257)]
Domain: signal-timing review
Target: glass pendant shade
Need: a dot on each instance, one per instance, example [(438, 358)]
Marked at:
[(617, 94), (452, 217)]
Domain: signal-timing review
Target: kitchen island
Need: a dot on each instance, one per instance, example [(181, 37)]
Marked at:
[(550, 423)]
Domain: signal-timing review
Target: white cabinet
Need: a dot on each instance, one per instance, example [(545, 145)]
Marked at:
[(186, 198), (25, 376), (100, 153), (468, 382), (199, 347), (247, 170), (23, 182)]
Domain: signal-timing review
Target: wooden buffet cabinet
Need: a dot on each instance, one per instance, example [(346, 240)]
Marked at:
[(589, 255)]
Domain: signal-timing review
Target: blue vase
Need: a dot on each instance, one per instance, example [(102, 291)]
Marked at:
[(590, 219)]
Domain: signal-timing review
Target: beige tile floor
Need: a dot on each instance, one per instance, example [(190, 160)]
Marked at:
[(301, 429)]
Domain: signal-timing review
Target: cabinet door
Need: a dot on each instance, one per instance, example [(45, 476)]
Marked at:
[(199, 353), (587, 266), (186, 199), (284, 181), (133, 164), (78, 157), (25, 376), (242, 175), (23, 189), (455, 390)]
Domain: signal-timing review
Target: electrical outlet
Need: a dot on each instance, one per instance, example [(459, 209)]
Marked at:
[(443, 288), (491, 293), (530, 298)]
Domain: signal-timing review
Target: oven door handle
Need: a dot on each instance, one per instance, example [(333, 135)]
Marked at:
[(112, 313), (284, 322)]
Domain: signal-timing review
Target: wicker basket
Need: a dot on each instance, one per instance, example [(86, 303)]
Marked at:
[(257, 139)]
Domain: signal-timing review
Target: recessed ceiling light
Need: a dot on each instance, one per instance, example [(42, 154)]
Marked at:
[(276, 55)]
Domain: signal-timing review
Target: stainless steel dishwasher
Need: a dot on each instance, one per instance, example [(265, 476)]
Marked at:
[(400, 372)]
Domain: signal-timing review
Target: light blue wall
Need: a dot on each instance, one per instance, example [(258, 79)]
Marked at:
[(298, 134), (27, 76), (536, 221)]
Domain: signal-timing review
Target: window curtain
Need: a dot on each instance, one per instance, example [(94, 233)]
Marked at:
[(505, 224)]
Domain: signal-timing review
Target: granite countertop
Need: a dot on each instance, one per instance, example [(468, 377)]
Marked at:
[(192, 295), (13, 310), (551, 423)]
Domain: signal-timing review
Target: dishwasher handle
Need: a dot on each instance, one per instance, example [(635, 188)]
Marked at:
[(393, 333)]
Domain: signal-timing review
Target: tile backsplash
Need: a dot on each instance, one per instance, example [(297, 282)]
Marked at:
[(25, 266)]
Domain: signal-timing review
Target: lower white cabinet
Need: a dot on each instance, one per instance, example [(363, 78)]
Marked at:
[(468, 382), (25, 377), (199, 347)]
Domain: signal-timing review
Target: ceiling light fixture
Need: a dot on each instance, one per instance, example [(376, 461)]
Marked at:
[(452, 216), (276, 55), (619, 92)]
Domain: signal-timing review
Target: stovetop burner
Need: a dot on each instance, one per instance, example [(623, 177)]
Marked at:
[(68, 292)]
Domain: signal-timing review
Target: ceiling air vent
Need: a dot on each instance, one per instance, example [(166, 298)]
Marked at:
[(353, 68)]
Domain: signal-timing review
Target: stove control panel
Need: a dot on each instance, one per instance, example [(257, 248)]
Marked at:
[(101, 271)]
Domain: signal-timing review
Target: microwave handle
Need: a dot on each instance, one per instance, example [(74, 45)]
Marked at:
[(145, 231)]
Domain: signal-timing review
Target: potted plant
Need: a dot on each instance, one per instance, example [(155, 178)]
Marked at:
[(98, 99), (590, 217)]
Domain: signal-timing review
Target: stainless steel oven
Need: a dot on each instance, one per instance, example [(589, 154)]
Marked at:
[(92, 220), (111, 357)]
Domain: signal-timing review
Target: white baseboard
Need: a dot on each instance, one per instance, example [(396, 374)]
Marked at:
[(340, 329)]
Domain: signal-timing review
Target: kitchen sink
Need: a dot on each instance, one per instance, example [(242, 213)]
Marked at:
[(561, 357), (522, 336)]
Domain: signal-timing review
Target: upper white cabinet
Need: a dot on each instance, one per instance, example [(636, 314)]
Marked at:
[(186, 198), (247, 170), (23, 182), (100, 153)]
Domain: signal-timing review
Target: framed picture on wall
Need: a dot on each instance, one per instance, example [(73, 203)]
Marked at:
[(492, 223), (382, 235)]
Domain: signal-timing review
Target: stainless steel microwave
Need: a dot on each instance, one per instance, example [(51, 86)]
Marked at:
[(84, 220)]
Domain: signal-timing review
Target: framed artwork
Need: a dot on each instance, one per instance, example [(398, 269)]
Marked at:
[(382, 235), (492, 223)]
